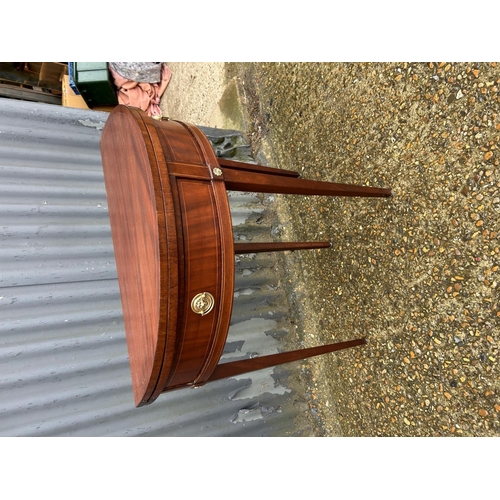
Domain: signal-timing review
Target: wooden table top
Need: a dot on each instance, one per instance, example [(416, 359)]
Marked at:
[(172, 236)]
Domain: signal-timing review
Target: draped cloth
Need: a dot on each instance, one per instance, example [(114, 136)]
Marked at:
[(143, 95)]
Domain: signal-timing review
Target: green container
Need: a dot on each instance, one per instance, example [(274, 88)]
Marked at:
[(89, 66), (95, 84)]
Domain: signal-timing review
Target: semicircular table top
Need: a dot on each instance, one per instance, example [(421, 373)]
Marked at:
[(172, 234)]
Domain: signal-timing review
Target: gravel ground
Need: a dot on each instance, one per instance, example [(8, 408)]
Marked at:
[(417, 274), (193, 92)]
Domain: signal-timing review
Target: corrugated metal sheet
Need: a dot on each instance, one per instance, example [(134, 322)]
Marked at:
[(63, 358)]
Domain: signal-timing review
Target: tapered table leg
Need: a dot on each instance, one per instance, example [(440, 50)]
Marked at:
[(249, 365), (240, 180), (240, 248)]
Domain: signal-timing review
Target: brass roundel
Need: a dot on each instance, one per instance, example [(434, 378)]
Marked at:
[(202, 303)]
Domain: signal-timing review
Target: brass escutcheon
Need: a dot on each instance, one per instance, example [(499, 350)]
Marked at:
[(202, 303), (217, 171)]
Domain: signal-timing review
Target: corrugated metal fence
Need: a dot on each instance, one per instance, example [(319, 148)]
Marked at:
[(63, 357)]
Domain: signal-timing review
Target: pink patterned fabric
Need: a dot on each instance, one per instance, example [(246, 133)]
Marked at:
[(145, 96)]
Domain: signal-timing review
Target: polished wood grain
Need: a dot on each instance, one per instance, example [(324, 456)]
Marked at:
[(172, 234), (139, 231)]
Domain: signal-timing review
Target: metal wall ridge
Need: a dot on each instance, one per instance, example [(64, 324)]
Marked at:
[(58, 159), (36, 173)]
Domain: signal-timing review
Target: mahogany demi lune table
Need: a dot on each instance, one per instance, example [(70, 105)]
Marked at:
[(174, 248)]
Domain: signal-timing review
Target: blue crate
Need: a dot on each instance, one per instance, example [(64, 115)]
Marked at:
[(71, 74)]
